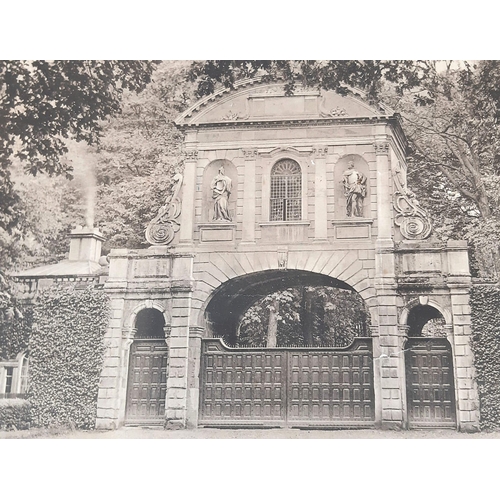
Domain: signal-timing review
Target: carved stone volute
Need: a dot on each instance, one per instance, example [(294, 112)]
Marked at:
[(161, 230)]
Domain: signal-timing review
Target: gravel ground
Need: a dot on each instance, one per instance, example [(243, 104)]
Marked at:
[(145, 433)]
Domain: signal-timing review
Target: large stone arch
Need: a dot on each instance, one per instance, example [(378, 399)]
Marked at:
[(341, 267)]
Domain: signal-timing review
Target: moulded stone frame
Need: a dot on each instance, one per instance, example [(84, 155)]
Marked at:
[(128, 336), (267, 164), (339, 206), (223, 271), (448, 316)]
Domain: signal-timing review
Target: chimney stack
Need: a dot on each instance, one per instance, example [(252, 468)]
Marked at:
[(85, 244)]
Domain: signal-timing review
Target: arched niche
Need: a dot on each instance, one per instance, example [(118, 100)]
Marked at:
[(361, 166), (211, 170), (229, 302)]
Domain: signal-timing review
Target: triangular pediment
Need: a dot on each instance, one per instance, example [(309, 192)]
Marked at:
[(252, 100)]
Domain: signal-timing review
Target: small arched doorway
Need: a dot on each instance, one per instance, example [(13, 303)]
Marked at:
[(147, 374), (429, 370)]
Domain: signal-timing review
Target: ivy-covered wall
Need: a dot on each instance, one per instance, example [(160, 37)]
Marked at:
[(15, 331), (66, 349), (485, 305)]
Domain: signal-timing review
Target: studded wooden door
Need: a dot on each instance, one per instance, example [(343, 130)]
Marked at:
[(295, 387), (429, 383), (147, 382)]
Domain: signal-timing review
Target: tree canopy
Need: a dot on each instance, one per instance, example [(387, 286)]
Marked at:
[(42, 103)]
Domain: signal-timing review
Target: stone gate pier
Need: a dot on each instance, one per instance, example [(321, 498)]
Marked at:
[(280, 191)]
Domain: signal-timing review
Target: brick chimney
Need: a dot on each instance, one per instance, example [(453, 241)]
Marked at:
[(85, 244)]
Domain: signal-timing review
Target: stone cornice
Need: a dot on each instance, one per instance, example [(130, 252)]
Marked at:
[(296, 122)]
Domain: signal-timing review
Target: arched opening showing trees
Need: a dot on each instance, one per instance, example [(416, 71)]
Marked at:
[(287, 308), (426, 321), (305, 316)]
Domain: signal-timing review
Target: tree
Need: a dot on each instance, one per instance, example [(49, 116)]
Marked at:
[(451, 121), (318, 316), (331, 75), (139, 152), (42, 103)]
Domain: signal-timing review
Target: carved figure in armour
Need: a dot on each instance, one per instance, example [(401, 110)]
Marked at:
[(221, 189), (354, 190)]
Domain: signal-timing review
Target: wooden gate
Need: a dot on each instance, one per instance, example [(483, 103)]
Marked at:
[(429, 383), (147, 382), (294, 387)]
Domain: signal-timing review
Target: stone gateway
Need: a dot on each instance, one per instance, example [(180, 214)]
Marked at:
[(278, 191)]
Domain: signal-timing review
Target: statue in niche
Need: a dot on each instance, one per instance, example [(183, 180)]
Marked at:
[(354, 184), (221, 189)]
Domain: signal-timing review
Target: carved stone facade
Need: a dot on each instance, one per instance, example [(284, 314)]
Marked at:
[(200, 279)]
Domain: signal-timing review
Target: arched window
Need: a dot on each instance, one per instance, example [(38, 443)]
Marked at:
[(23, 374), (14, 377), (286, 191)]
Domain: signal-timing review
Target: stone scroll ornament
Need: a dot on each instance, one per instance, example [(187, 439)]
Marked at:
[(412, 220), (162, 229)]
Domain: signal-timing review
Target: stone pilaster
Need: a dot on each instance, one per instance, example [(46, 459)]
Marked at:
[(194, 359), (389, 342), (466, 392), (111, 392), (320, 199), (248, 216), (389, 362), (177, 382), (384, 205), (188, 196), (459, 283)]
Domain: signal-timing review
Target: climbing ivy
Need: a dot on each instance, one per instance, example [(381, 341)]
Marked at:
[(15, 331), (66, 349), (14, 414), (485, 305)]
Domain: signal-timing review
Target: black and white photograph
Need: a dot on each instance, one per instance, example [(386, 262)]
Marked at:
[(215, 251)]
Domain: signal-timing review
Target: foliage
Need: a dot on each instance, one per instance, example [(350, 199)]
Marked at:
[(15, 328), (307, 316), (14, 414), (254, 324), (331, 75), (485, 343), (140, 151), (66, 352), (42, 103), (451, 121)]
